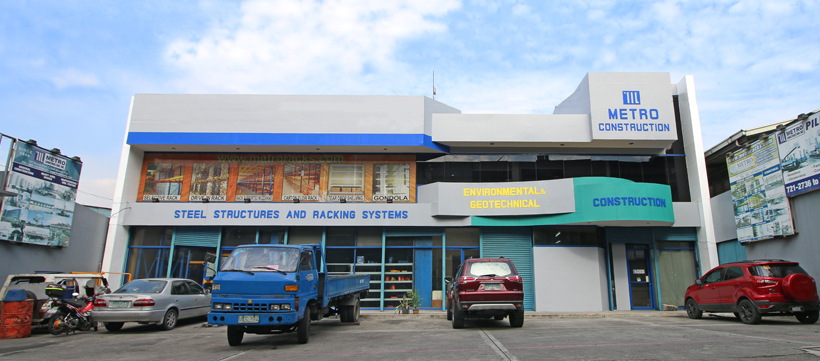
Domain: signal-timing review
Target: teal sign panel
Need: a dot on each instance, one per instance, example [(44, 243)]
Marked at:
[(599, 199)]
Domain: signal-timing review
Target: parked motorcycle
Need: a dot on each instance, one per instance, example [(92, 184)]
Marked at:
[(69, 315)]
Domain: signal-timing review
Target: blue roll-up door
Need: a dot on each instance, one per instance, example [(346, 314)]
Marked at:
[(515, 244), (197, 236)]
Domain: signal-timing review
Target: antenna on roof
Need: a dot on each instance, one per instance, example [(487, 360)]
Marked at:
[(434, 85)]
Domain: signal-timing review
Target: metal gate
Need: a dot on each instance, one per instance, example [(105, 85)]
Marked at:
[(515, 244)]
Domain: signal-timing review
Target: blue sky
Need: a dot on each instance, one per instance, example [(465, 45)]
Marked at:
[(69, 68)]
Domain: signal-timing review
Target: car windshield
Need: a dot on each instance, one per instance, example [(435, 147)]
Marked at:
[(776, 270), (499, 269), (262, 259), (143, 286)]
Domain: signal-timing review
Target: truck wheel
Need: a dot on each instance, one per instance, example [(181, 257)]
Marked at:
[(458, 317), (303, 328), (517, 318), (353, 311), (235, 335), (343, 314)]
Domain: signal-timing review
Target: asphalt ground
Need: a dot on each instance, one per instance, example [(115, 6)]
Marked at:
[(627, 335)]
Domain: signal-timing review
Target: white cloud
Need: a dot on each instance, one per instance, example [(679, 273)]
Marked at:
[(296, 46), (75, 78)]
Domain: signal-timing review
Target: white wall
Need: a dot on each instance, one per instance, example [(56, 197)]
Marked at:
[(621, 272), (569, 279), (724, 217)]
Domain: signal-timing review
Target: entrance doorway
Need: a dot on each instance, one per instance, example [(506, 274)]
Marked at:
[(640, 277)]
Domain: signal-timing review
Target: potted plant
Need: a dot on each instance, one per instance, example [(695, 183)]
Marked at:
[(414, 300), (404, 306)]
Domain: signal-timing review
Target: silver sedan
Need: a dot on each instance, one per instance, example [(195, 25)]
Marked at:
[(152, 300)]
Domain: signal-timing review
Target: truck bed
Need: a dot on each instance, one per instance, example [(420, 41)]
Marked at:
[(342, 285)]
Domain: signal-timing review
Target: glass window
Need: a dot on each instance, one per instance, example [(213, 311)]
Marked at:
[(494, 172), (261, 259), (548, 169), (713, 277), (179, 288), (776, 270), (732, 273), (305, 235), (461, 172), (568, 236), (306, 263), (236, 236), (195, 288), (497, 269), (143, 286), (577, 168), (369, 237), (462, 237), (271, 236), (340, 236), (148, 262), (152, 236)]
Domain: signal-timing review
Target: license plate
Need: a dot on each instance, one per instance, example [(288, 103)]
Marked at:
[(797, 309), (249, 319), (492, 286), (119, 304)]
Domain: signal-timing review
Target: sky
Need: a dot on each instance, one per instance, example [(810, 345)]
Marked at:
[(68, 69)]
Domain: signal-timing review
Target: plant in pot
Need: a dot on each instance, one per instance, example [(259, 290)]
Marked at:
[(414, 300), (404, 306)]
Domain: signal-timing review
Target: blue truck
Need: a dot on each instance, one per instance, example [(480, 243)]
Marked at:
[(265, 289)]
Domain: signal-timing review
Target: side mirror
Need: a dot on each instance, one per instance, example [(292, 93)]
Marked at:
[(210, 258), (699, 282), (75, 295), (448, 279)]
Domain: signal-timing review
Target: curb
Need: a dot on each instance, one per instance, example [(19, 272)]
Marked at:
[(625, 314)]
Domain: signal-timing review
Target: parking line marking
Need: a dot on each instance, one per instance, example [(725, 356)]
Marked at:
[(496, 346)]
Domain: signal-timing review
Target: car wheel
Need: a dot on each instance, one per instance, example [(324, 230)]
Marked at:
[(498, 318), (748, 312), (113, 326), (303, 329), (458, 317), (692, 310), (169, 321), (56, 325), (449, 314), (235, 335), (737, 315), (808, 317), (517, 318)]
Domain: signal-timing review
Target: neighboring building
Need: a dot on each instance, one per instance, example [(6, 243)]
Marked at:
[(602, 205), (802, 246)]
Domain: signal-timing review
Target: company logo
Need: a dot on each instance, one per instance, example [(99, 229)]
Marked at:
[(50, 160), (632, 97)]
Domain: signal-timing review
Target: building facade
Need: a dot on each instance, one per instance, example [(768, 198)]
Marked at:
[(602, 205), (797, 159)]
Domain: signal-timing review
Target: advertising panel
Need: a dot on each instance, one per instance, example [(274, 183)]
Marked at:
[(758, 194), (46, 187), (799, 147), (181, 177)]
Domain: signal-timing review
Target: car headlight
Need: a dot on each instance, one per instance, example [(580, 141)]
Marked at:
[(227, 306), (217, 306), (215, 287), (286, 306), (274, 307)]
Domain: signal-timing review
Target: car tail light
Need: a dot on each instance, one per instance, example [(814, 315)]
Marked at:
[(515, 279), (765, 283), (99, 303), (144, 302), (464, 280)]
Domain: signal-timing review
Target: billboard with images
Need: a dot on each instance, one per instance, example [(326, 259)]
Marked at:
[(761, 207), (185, 177), (46, 187), (799, 146)]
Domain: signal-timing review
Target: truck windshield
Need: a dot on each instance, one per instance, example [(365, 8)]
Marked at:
[(261, 259)]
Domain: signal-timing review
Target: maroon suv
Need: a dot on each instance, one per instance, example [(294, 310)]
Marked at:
[(751, 289), (484, 288)]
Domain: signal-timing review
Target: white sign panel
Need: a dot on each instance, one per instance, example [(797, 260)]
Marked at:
[(632, 106)]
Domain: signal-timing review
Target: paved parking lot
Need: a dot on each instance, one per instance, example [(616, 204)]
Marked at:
[(389, 337)]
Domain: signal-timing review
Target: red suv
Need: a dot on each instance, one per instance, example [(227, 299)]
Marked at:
[(484, 288), (751, 289)]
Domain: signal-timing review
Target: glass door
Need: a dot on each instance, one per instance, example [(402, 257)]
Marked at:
[(640, 277)]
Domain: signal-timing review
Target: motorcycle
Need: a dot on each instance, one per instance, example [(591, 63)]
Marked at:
[(69, 315)]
